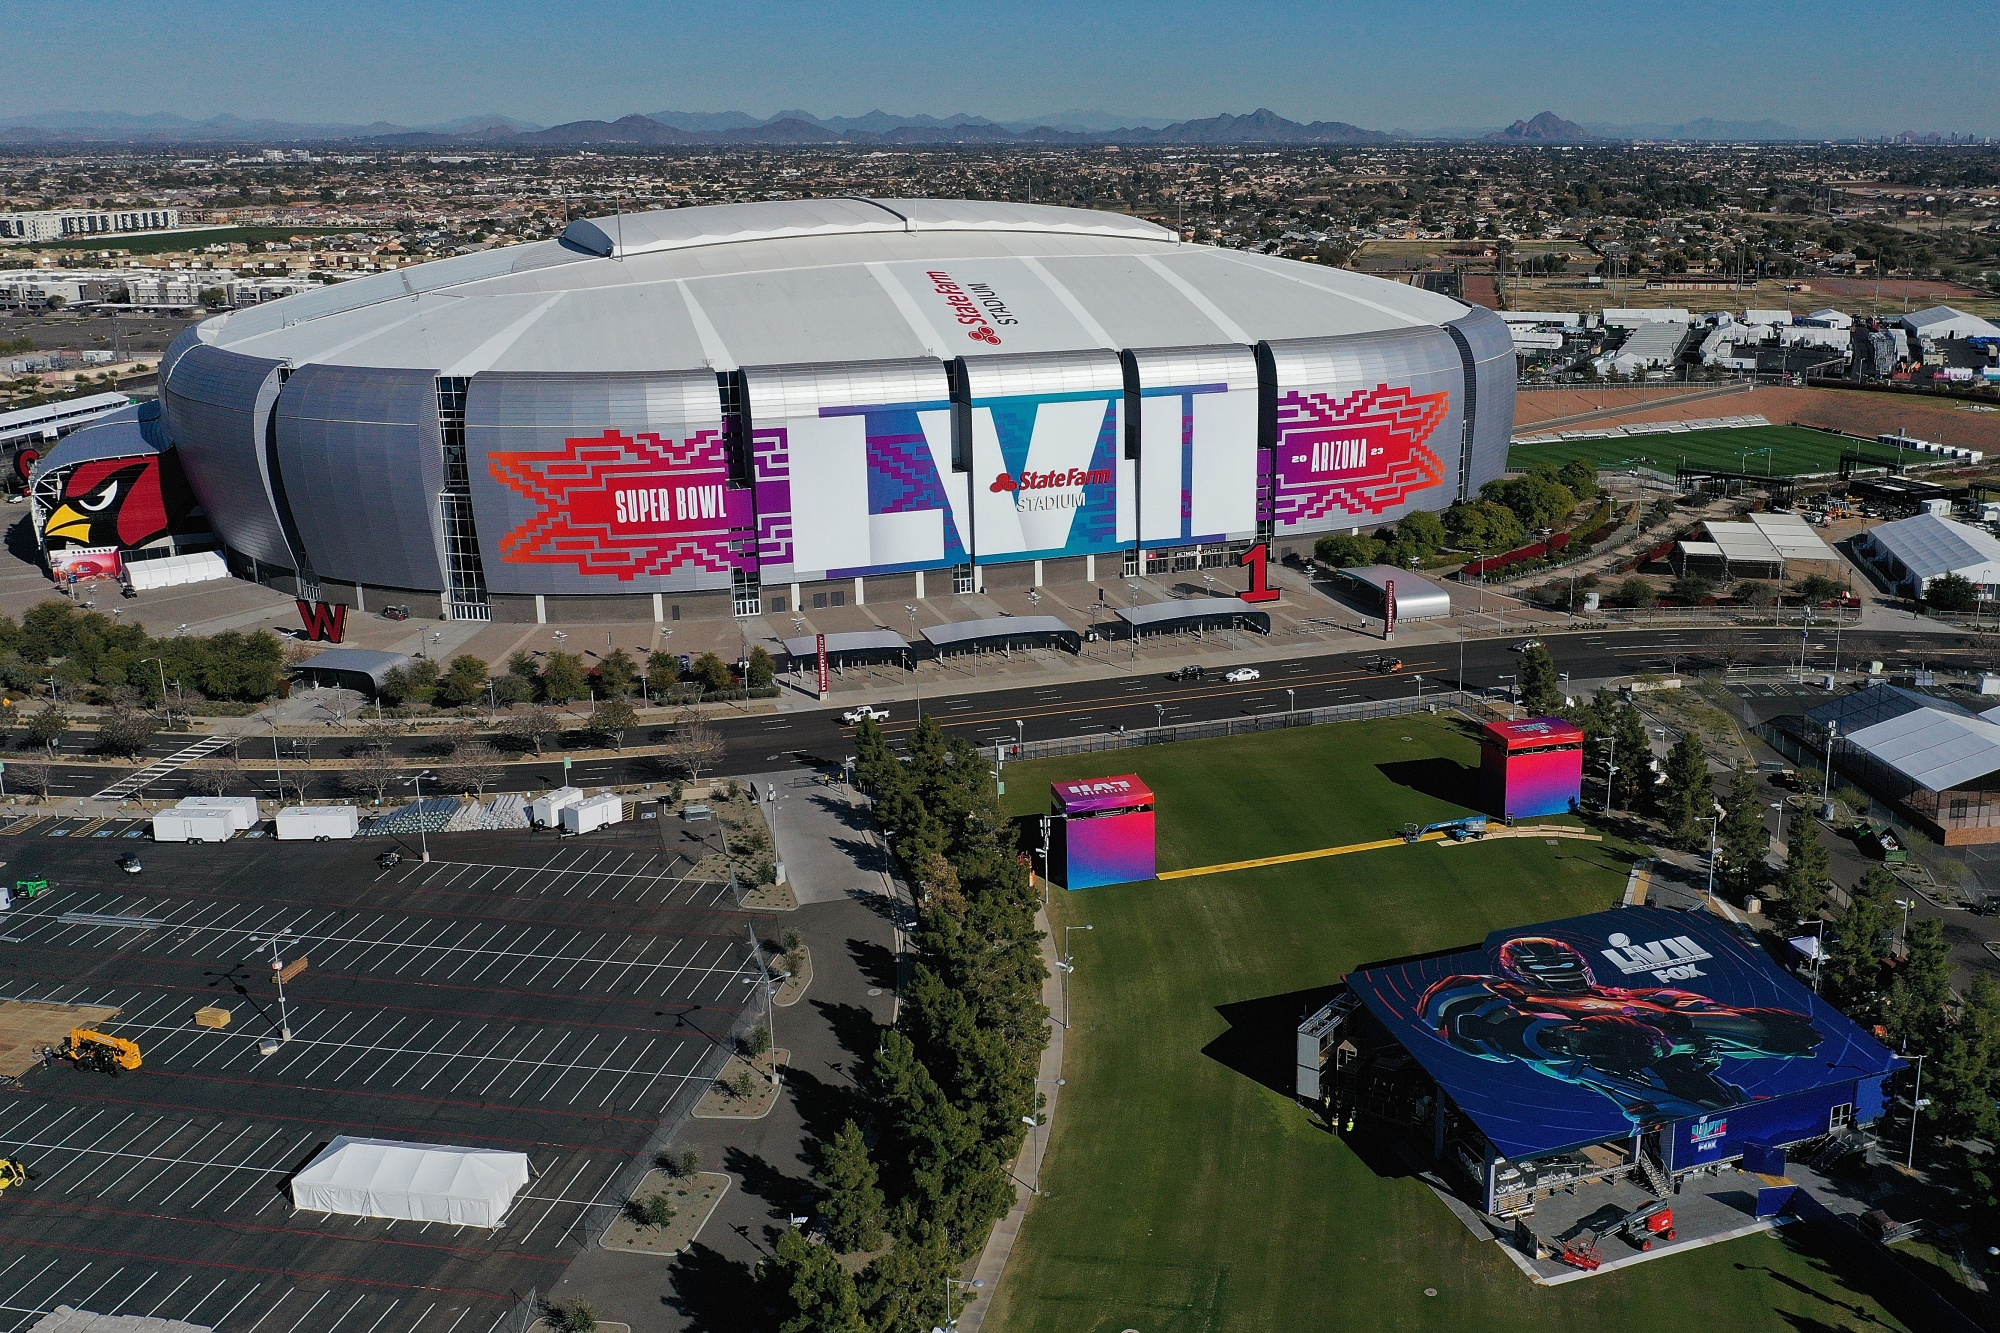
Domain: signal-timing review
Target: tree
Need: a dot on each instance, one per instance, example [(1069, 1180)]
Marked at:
[(1803, 883), (1342, 550), (1916, 1010), (1483, 525), (464, 681), (693, 745), (1692, 589), (851, 1207), (1422, 531), (1951, 594), (1541, 693), (563, 678), (1689, 797), (1751, 592), (537, 722), (612, 718), (570, 1316), (509, 689), (1817, 588), (663, 672), (214, 776), (475, 767), (713, 674), (1538, 501), (46, 726), (32, 776), (763, 668), (1578, 477), (124, 732), (415, 683), (1851, 973), (1636, 592), (617, 677), (371, 773), (1745, 841), (811, 1289)]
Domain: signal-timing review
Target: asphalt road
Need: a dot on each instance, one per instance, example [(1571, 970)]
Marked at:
[(761, 742), (513, 993)]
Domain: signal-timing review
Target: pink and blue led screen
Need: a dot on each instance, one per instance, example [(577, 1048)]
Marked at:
[(1108, 849), (1542, 782)]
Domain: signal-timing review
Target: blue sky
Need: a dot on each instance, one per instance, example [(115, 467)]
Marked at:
[(1415, 64)]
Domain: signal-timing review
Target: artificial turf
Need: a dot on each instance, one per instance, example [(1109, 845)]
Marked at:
[(1186, 1192), (1794, 451)]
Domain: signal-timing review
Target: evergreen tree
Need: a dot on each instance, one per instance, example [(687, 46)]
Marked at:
[(1541, 693), (1805, 880), (811, 1289), (617, 677), (563, 678), (1690, 794), (663, 672), (1635, 779), (1745, 841), (1962, 1072), (1851, 974), (851, 1208), (1916, 1010), (952, 1179)]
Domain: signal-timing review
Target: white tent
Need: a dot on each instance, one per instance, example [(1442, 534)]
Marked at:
[(416, 1182)]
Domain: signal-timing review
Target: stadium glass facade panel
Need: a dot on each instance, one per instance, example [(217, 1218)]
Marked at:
[(1196, 431)]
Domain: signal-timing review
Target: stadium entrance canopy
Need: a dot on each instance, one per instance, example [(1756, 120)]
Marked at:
[(961, 636), (414, 1182), (868, 645), (1193, 613), (1417, 598), (1572, 1049)]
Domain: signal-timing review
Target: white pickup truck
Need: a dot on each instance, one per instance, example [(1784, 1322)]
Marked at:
[(865, 713)]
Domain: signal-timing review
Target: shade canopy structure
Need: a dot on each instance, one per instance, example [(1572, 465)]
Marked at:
[(1194, 613), (413, 1182), (1417, 598), (869, 645), (362, 669), (1003, 632)]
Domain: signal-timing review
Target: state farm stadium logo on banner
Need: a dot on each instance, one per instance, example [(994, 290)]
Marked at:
[(1363, 454), (1040, 491), (975, 305), (625, 505)]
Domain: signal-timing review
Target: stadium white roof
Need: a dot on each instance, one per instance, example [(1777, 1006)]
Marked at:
[(814, 280), (1936, 749), (1930, 546)]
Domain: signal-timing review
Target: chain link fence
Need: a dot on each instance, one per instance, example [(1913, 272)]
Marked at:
[(1432, 702)]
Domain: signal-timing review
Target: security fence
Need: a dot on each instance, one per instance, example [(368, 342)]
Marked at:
[(1432, 702)]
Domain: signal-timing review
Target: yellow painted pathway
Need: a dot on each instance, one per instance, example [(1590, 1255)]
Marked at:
[(1494, 834)]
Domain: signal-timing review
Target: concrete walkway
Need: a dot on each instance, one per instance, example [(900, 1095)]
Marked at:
[(1000, 1245), (826, 837)]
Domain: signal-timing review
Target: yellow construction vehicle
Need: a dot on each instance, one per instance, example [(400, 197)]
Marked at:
[(12, 1172), (90, 1049)]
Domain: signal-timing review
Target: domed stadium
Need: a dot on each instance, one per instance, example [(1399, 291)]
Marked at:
[(753, 408)]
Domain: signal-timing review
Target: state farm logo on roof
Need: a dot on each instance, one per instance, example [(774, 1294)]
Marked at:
[(975, 305)]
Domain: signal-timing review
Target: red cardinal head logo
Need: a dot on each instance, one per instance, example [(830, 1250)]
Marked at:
[(985, 335), (1004, 483)]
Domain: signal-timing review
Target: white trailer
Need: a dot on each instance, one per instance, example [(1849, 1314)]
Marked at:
[(593, 814), (192, 826), (545, 810), (242, 810), (318, 823)]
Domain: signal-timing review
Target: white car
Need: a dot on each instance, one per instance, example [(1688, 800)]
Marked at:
[(1242, 674), (865, 713), (1525, 645)]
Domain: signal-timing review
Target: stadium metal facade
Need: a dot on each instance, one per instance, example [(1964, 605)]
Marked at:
[(764, 407)]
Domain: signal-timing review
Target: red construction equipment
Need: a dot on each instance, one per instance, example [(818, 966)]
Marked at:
[(1653, 1222), (1580, 1251)]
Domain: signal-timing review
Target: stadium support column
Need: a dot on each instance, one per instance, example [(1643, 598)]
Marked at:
[(1468, 410)]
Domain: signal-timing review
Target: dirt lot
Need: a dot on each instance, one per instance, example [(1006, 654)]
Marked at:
[(139, 335)]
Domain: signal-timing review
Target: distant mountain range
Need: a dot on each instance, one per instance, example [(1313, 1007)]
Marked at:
[(794, 127)]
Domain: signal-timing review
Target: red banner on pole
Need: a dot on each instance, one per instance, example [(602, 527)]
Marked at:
[(1389, 610), (825, 676)]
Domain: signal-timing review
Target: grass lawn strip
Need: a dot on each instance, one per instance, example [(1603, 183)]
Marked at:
[(1186, 1190)]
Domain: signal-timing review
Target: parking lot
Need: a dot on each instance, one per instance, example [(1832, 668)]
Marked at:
[(556, 998)]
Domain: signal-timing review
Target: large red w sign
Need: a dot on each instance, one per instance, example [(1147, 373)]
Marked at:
[(326, 622)]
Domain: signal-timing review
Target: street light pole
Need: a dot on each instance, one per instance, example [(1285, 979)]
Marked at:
[(1916, 1108), (1065, 965), (423, 839), (278, 975)]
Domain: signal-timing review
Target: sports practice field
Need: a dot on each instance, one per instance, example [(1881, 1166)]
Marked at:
[(1793, 451), (1186, 1192)]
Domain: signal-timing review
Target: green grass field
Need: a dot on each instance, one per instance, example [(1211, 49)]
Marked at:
[(1186, 1192), (1793, 451)]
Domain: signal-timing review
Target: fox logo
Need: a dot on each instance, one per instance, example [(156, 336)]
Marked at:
[(985, 335)]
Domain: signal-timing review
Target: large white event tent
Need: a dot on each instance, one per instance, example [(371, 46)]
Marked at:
[(415, 1182)]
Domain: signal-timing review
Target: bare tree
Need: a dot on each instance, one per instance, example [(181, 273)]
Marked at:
[(694, 745), (33, 777), (532, 724), (214, 777), (371, 773), (449, 740), (474, 768), (292, 783)]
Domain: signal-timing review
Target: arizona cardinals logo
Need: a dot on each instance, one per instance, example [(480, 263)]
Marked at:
[(116, 502), (1364, 453), (626, 505)]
